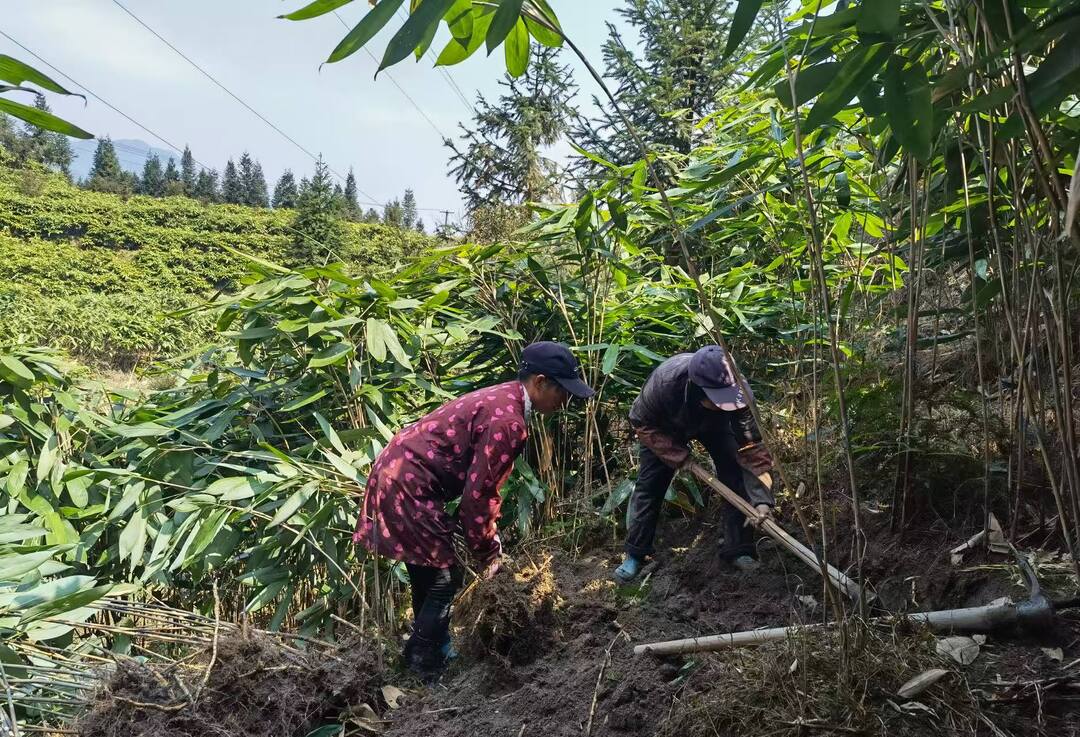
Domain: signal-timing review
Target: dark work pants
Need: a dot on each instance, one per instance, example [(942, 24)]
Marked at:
[(654, 478), (433, 591)]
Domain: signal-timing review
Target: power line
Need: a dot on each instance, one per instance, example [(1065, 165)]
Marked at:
[(399, 87), (236, 97), (445, 72), (371, 200), (90, 92)]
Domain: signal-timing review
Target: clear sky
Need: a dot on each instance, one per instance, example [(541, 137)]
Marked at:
[(340, 111)]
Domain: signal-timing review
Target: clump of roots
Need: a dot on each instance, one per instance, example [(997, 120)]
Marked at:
[(512, 617), (247, 685)]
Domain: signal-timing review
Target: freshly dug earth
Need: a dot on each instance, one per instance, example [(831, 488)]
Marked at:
[(256, 686), (547, 650), (556, 658)]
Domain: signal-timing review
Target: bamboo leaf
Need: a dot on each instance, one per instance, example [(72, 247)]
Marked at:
[(538, 15), (741, 23), (857, 68), (42, 119), (315, 9), (365, 30), (414, 31), (506, 17), (65, 604), (14, 71), (611, 357), (879, 18), (810, 83), (15, 371), (376, 346), (909, 106), (516, 49), (335, 354)]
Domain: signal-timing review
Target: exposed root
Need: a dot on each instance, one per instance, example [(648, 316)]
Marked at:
[(512, 616)]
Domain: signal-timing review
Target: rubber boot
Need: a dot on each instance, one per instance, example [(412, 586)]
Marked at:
[(424, 659), (746, 564), (629, 570)]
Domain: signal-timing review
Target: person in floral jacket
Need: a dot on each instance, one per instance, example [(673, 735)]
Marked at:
[(465, 449)]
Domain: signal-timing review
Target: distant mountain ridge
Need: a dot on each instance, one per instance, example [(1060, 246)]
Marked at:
[(132, 153)]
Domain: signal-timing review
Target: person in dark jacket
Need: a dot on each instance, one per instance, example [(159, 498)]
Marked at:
[(695, 396), (465, 449)]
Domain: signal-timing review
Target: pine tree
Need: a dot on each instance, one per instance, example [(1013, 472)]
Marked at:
[(45, 147), (206, 187), (188, 176), (372, 216), (408, 210), (106, 174), (232, 189), (393, 213), (352, 201), (285, 192), (172, 174), (320, 233), (252, 183), (667, 79), (500, 160), (153, 181), (257, 192), (420, 226)]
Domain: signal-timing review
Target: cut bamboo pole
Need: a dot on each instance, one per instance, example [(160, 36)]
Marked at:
[(1034, 614), (776, 532)]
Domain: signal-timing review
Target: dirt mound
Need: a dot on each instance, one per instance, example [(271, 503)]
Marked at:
[(512, 618), (249, 686)]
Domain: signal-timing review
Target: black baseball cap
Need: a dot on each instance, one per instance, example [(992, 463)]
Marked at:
[(555, 361), (711, 369)]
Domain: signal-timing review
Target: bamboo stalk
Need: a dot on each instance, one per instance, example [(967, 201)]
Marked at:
[(971, 619)]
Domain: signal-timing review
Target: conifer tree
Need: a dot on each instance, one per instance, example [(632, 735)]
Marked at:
[(420, 226), (285, 192), (188, 175), (320, 234), (106, 174), (372, 216), (499, 159), (152, 182), (48, 148), (252, 183), (257, 192), (172, 174), (408, 210), (232, 189), (667, 78), (352, 202), (393, 214), (206, 187)]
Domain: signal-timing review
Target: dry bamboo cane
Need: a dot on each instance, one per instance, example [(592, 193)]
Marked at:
[(1033, 614), (776, 532)]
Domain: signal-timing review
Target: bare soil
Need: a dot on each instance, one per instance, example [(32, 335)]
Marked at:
[(547, 650)]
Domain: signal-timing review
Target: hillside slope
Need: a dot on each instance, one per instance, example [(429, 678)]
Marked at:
[(97, 274)]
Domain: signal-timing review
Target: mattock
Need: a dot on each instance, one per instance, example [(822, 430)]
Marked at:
[(778, 533), (1033, 617)]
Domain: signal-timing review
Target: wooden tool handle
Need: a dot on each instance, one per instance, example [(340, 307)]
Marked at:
[(776, 532)]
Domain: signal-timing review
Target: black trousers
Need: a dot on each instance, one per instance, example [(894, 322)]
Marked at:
[(433, 591), (654, 478)]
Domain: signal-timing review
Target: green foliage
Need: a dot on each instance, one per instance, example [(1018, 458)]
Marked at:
[(318, 227), (500, 159), (516, 22), (668, 72), (99, 276)]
